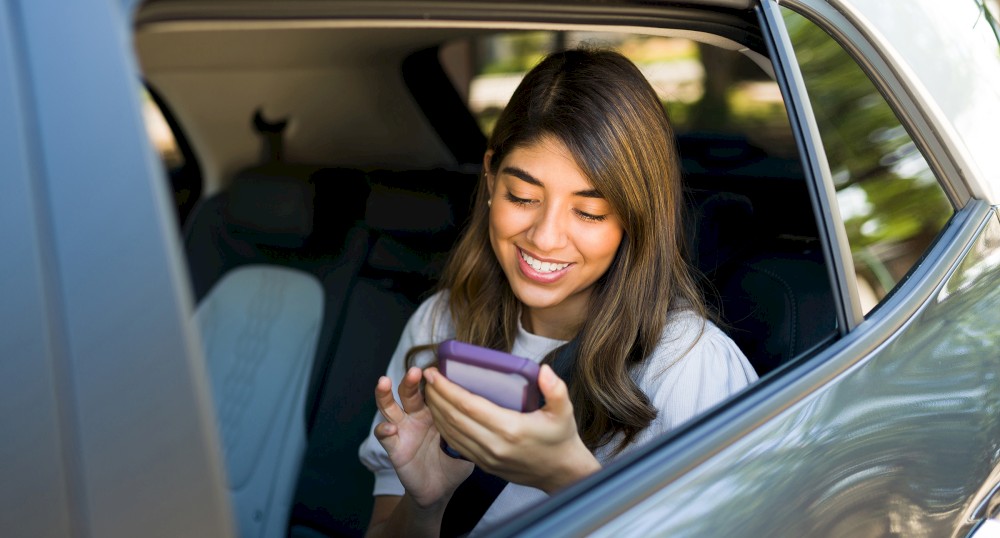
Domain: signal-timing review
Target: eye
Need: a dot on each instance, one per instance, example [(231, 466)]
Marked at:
[(517, 201), (589, 217)]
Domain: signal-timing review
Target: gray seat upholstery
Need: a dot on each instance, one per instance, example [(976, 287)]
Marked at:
[(272, 262), (260, 327)]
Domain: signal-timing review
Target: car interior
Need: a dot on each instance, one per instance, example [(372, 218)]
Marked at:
[(323, 161)]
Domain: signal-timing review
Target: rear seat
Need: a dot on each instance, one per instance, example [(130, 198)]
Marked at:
[(270, 292), (769, 286), (413, 219)]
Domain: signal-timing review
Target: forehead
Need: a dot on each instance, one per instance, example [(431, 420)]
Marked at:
[(547, 160)]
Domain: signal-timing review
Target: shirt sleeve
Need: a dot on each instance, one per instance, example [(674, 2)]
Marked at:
[(419, 330), (712, 369)]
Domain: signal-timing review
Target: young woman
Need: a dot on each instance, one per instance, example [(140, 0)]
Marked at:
[(574, 248)]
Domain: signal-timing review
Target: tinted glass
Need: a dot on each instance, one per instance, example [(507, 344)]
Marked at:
[(890, 201)]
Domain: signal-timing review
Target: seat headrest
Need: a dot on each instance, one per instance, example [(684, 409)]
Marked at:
[(401, 211), (269, 209), (721, 227), (417, 215)]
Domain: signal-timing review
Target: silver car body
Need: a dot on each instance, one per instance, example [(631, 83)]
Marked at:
[(105, 417)]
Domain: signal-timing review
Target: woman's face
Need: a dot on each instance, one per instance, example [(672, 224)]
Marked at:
[(552, 233)]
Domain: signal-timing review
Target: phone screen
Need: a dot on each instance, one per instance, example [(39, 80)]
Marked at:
[(503, 389)]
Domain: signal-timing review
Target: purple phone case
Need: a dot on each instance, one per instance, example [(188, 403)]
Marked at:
[(486, 375)]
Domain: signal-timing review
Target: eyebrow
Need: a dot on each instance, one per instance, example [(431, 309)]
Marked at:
[(528, 178)]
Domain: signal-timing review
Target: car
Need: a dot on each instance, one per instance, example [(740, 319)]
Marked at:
[(217, 215)]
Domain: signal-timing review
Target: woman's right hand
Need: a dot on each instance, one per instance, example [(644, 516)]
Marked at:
[(413, 443)]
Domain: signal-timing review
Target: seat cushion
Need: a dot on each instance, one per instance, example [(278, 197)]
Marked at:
[(260, 326)]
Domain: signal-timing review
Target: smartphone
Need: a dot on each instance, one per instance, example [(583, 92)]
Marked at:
[(504, 379)]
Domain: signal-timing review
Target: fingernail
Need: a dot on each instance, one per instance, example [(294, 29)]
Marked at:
[(546, 375), (430, 376)]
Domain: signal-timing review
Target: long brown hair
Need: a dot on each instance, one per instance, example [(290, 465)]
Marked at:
[(602, 108)]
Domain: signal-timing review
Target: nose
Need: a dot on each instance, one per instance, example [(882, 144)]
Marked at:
[(548, 232)]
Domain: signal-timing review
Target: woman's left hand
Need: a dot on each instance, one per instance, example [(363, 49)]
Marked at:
[(541, 449)]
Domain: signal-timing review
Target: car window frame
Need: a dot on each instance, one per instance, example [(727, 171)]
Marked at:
[(899, 87), (912, 113)]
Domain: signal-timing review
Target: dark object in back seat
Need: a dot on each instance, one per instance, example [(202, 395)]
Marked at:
[(269, 214), (772, 293), (779, 303), (413, 219)]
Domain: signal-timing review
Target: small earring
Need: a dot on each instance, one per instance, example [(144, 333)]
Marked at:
[(489, 203)]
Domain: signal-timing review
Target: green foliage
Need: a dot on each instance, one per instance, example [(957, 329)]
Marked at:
[(867, 148), (520, 51)]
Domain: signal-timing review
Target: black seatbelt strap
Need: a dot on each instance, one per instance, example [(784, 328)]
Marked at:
[(471, 500), (475, 496)]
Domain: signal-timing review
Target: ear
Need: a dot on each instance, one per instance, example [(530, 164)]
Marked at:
[(487, 172)]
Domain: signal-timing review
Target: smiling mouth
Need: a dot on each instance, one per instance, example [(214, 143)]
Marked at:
[(540, 266)]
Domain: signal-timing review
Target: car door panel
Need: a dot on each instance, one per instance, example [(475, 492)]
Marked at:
[(890, 433), (135, 439), (31, 446)]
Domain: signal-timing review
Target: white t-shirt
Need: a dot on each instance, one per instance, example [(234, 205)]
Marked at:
[(679, 385)]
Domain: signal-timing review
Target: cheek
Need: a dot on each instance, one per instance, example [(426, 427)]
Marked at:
[(506, 223), (499, 233), (602, 244)]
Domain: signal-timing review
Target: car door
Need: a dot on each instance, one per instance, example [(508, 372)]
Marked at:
[(893, 428), (105, 420)]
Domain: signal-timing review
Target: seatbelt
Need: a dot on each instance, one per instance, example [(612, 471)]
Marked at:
[(475, 496)]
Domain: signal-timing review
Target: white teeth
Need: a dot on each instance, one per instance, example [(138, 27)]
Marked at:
[(543, 267)]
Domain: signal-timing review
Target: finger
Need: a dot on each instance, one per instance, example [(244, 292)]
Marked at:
[(456, 438), (386, 402), (409, 391), (555, 392), (386, 432), (385, 429), (458, 403), (470, 423)]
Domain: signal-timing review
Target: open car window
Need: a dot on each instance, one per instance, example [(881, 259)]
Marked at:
[(354, 159), (333, 171)]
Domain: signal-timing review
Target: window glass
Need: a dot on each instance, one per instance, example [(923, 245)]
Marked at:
[(890, 201), (160, 134), (182, 169), (705, 89)]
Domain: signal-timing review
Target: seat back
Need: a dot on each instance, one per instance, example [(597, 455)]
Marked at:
[(772, 293), (778, 304), (260, 326), (272, 261), (413, 219)]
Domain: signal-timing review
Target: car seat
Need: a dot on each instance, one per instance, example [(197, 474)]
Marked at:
[(771, 291), (413, 219), (270, 287)]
